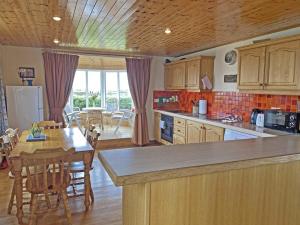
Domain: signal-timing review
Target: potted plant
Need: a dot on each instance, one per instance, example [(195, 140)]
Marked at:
[(36, 131)]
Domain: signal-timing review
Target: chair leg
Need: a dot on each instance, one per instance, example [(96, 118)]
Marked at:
[(32, 218), (66, 205), (58, 200), (48, 200), (12, 198), (91, 194)]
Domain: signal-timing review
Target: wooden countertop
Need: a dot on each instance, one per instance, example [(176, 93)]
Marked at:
[(239, 126), (145, 164)]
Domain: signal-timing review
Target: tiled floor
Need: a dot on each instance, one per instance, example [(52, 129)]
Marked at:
[(108, 132)]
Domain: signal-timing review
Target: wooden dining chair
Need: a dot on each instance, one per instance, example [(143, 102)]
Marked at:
[(42, 180), (13, 135), (50, 124), (96, 116), (13, 140), (77, 168)]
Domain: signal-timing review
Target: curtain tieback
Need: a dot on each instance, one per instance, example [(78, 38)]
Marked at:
[(56, 110), (140, 111)]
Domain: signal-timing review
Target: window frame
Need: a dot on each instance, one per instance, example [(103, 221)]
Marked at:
[(102, 87)]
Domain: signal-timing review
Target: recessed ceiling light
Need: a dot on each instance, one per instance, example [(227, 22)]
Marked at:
[(56, 18), (56, 41), (168, 30)]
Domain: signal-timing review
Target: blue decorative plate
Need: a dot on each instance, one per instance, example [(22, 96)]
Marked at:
[(30, 138)]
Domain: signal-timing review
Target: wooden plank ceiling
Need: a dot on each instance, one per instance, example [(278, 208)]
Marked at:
[(137, 26)]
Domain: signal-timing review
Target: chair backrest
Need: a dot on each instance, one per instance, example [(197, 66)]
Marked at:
[(93, 137), (111, 106), (68, 109), (47, 168), (53, 126), (5, 147), (13, 135), (45, 123), (128, 114)]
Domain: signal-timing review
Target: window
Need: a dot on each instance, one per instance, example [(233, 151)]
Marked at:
[(107, 89)]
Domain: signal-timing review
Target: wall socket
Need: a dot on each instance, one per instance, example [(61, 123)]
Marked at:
[(298, 105)]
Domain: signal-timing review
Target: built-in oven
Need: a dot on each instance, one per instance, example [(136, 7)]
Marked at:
[(166, 126)]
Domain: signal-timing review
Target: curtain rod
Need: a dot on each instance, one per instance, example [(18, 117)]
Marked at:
[(95, 53)]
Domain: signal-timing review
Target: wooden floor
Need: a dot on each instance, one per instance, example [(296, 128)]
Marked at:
[(106, 209)]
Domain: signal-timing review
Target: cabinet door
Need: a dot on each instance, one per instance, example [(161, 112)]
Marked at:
[(194, 132), (157, 126), (178, 140), (213, 133), (283, 66), (178, 76), (193, 74), (251, 68), (206, 69)]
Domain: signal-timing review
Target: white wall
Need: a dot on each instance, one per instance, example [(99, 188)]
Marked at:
[(156, 83), (15, 57), (221, 68)]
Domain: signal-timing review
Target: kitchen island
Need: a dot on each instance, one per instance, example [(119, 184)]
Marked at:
[(254, 181)]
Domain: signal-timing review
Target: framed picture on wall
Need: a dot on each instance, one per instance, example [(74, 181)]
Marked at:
[(26, 73)]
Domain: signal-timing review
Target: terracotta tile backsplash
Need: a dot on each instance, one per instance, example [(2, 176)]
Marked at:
[(227, 102)]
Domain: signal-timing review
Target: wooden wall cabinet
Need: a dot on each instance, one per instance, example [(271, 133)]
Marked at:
[(193, 69), (283, 66), (252, 68), (175, 76), (271, 66), (192, 74)]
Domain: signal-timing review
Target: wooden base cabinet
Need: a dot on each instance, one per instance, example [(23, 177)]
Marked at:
[(179, 136), (260, 195), (197, 133), (213, 133), (157, 132)]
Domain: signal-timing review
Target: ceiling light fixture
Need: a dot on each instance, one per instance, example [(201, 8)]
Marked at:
[(56, 41), (56, 18), (168, 30)]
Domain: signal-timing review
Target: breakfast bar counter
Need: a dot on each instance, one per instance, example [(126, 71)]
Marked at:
[(255, 181)]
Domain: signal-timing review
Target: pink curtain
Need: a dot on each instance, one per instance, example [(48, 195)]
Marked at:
[(138, 71), (59, 75)]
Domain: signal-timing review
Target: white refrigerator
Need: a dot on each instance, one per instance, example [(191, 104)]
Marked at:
[(24, 106)]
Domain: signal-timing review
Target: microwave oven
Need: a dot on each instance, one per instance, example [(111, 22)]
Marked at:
[(280, 120)]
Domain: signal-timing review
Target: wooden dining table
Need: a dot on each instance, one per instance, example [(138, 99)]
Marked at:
[(55, 138)]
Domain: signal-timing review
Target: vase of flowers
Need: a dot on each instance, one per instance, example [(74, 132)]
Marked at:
[(93, 98), (36, 131)]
